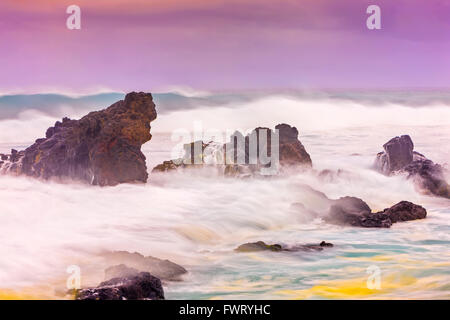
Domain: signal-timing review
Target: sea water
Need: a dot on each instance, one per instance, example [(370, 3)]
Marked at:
[(197, 218)]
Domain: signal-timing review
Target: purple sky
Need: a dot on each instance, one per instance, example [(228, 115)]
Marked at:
[(233, 44)]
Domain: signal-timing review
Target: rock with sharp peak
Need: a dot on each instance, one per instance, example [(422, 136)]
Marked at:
[(246, 155), (102, 148), (399, 157)]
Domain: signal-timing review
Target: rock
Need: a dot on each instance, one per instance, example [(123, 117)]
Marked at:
[(3, 156), (244, 155), (102, 148), (405, 211), (258, 246), (120, 271), (398, 152), (326, 244), (262, 246), (399, 158), (169, 165), (292, 151), (429, 177), (142, 286), (163, 269), (355, 212)]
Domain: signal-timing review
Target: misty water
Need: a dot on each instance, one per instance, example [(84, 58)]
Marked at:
[(197, 218)]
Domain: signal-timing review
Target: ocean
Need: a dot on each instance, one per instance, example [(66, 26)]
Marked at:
[(197, 218)]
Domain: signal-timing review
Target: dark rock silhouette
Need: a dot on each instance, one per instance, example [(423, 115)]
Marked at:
[(398, 154), (141, 286), (102, 148), (399, 157), (355, 212), (405, 211)]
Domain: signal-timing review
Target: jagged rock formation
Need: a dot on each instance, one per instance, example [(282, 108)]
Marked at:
[(246, 155), (355, 212), (102, 148), (399, 157), (141, 286)]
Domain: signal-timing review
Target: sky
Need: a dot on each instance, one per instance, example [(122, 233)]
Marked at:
[(151, 45)]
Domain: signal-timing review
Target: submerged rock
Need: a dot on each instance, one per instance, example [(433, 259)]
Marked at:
[(163, 269), (399, 157), (258, 246), (102, 148), (262, 246), (355, 212), (141, 286)]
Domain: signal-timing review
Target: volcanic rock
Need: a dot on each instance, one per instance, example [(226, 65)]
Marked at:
[(102, 148), (355, 212), (399, 158), (405, 211), (262, 246), (141, 286), (245, 155)]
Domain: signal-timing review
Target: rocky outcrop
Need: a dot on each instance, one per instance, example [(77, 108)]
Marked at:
[(398, 154), (123, 261), (102, 148), (405, 211), (246, 155), (399, 157), (355, 212), (141, 286), (262, 246), (292, 151)]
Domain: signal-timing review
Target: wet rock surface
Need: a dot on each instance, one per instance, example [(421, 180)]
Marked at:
[(102, 148), (262, 246), (355, 212), (245, 155), (141, 286), (399, 157)]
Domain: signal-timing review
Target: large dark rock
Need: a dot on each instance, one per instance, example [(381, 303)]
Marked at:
[(102, 148), (141, 286), (405, 211), (292, 151), (245, 155), (355, 212), (429, 177), (163, 269), (399, 158)]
